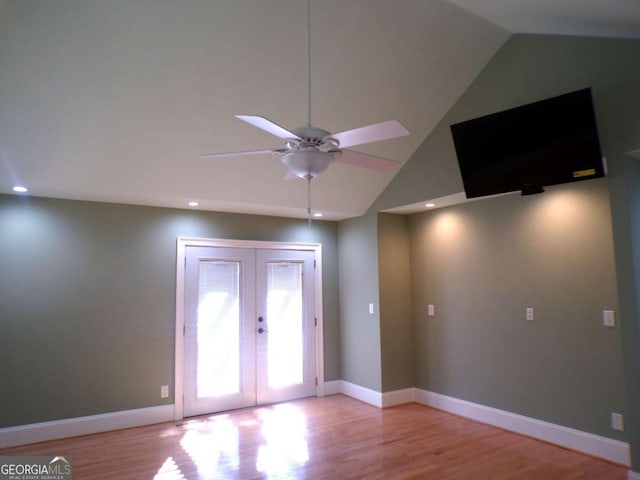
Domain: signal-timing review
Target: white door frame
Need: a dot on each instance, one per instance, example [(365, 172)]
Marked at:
[(182, 244)]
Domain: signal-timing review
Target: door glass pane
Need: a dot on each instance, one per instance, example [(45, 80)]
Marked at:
[(285, 359), (218, 344)]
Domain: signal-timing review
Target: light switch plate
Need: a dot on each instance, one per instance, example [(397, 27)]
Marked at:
[(608, 318), (529, 314)]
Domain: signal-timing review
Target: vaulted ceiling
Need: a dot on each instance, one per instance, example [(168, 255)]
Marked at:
[(116, 100)]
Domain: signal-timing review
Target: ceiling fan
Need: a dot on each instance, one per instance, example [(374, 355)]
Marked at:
[(308, 151)]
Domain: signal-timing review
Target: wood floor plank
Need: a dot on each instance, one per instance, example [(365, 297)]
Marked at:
[(334, 437)]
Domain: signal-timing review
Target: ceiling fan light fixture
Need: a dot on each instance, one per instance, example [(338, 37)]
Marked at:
[(308, 163)]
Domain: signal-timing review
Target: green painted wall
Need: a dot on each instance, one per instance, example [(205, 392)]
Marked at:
[(625, 200), (87, 300), (584, 364), (359, 330), (375, 268), (396, 325), (480, 265)]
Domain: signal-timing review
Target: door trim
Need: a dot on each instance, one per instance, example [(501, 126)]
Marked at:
[(182, 244)]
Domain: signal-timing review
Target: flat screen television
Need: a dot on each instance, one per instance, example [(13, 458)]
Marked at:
[(549, 142)]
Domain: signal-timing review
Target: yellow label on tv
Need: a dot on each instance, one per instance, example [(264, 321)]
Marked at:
[(584, 173)]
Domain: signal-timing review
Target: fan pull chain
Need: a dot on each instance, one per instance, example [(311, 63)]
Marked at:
[(309, 177), (308, 63)]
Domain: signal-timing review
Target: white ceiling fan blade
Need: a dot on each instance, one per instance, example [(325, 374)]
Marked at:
[(371, 162), (371, 133), (268, 126), (238, 154)]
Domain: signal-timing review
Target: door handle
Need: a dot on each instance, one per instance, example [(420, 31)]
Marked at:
[(261, 321)]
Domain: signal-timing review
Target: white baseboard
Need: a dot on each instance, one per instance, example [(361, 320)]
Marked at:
[(398, 397), (372, 397), (631, 475), (359, 393), (595, 445), (333, 387), (40, 432)]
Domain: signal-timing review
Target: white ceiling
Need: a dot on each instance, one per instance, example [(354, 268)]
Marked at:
[(598, 18), (115, 100)]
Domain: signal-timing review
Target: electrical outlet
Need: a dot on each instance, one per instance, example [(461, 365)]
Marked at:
[(371, 309), (431, 310), (617, 421), (164, 391)]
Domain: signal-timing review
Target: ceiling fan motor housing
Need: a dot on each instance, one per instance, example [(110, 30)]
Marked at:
[(311, 133)]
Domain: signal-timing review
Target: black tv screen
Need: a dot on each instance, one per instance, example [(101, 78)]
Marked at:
[(549, 142)]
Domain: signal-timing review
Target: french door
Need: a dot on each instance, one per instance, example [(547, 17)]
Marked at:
[(249, 327)]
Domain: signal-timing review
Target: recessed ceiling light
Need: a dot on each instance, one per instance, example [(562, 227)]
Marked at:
[(317, 215), (20, 189), (193, 204), (429, 205)]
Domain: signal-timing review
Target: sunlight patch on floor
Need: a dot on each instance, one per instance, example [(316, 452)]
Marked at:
[(284, 431), (169, 471), (214, 445)]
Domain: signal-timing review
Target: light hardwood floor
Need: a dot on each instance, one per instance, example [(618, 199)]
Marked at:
[(334, 437)]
